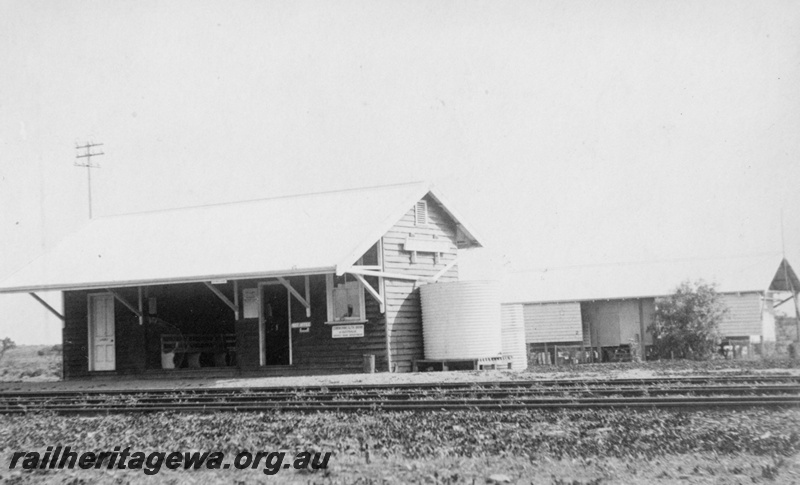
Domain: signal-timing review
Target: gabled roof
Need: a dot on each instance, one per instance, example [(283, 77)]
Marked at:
[(648, 279), (320, 232)]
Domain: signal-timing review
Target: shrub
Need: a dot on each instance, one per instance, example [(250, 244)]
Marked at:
[(6, 344), (686, 323)]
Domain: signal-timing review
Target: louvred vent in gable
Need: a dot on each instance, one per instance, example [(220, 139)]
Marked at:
[(421, 213)]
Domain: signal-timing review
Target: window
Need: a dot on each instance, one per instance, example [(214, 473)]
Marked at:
[(421, 213), (345, 299)]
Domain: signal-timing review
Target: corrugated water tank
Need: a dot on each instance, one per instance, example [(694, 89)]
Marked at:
[(512, 323), (461, 320)]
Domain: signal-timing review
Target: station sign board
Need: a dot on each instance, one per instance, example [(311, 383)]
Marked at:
[(347, 331)]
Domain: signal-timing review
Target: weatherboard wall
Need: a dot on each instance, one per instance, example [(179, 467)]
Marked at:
[(315, 349), (318, 349), (552, 322), (744, 315), (129, 336), (403, 311)]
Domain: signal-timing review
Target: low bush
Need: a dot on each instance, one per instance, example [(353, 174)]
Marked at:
[(31, 362)]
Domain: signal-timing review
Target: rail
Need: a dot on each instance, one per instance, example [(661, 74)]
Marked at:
[(698, 392)]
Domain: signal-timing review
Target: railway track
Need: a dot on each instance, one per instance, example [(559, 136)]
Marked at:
[(539, 383), (695, 392)]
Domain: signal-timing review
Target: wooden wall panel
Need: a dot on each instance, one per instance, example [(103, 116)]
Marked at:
[(744, 315), (75, 335), (319, 349), (403, 312), (247, 344), (316, 348), (553, 322), (129, 335)]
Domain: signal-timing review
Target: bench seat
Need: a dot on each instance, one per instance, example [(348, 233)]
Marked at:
[(219, 345)]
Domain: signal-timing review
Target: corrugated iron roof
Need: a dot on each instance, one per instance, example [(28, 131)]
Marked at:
[(647, 279), (307, 233)]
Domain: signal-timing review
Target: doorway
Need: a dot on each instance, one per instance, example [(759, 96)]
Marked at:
[(276, 340), (102, 355)]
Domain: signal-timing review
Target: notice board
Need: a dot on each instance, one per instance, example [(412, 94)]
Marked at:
[(250, 299)]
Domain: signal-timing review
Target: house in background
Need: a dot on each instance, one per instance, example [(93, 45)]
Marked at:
[(596, 311), (300, 284)]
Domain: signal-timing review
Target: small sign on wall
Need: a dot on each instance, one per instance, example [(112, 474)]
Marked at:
[(250, 298), (301, 325), (347, 331)]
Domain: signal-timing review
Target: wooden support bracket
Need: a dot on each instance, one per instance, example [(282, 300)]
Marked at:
[(221, 296), (374, 293), (141, 307), (236, 299), (125, 302), (784, 301), (308, 296), (47, 305), (444, 270), (296, 294)]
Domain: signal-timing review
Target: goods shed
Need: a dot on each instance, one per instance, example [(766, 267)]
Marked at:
[(301, 284), (595, 312)]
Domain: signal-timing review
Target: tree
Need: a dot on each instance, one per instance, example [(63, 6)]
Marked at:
[(686, 323), (6, 344)]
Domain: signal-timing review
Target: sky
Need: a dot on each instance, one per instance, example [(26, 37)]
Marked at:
[(566, 133)]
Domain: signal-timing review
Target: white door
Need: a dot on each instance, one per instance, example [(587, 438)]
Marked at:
[(101, 332)]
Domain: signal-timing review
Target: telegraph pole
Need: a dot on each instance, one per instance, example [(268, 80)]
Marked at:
[(88, 154)]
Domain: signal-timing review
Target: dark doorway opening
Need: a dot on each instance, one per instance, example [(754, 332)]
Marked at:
[(275, 324)]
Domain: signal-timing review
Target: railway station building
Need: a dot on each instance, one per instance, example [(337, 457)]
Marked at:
[(601, 312), (301, 284)]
